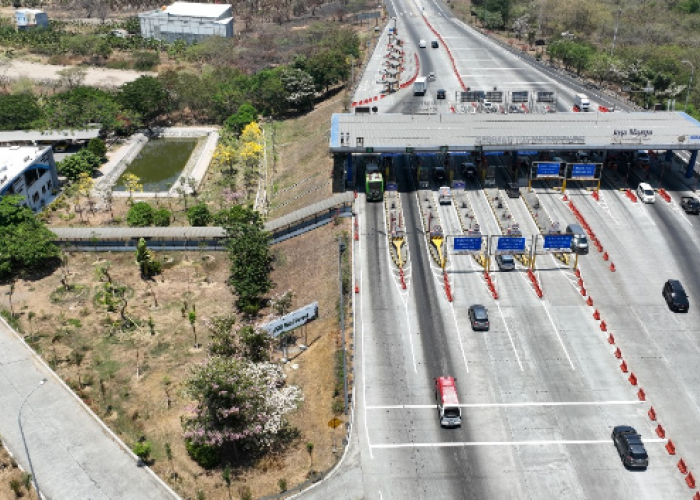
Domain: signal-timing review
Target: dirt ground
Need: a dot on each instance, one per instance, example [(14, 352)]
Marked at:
[(127, 377)]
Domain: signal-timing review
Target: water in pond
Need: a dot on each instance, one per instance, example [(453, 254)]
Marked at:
[(159, 163)]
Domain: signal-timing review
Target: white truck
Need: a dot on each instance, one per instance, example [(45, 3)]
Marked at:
[(582, 102), (445, 196), (420, 85)]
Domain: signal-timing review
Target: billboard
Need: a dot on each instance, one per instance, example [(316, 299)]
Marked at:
[(292, 320)]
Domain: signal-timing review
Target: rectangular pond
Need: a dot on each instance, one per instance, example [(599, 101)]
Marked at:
[(159, 163)]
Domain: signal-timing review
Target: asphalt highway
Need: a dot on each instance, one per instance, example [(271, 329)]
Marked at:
[(542, 389)]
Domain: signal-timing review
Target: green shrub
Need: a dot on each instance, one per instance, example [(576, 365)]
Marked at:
[(199, 215), (140, 215), (205, 455), (146, 61), (142, 449), (161, 217), (118, 64)]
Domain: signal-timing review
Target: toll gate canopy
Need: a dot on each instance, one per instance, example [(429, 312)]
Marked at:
[(453, 133)]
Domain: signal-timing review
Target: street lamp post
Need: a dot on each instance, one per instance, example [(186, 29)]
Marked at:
[(341, 250), (24, 441), (690, 83)]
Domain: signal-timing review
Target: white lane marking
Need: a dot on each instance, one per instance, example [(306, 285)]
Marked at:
[(505, 323), (512, 405), (459, 338), (677, 208), (364, 355), (404, 296), (556, 330), (458, 444), (642, 208)]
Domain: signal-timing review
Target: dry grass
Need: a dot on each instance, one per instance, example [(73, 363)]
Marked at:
[(9, 472), (135, 406)]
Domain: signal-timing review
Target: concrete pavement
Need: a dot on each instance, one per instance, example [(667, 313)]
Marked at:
[(70, 453)]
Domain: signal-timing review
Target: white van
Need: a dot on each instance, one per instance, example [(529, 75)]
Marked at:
[(582, 102), (423, 44)]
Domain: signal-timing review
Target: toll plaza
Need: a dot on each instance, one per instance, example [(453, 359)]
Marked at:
[(478, 136)]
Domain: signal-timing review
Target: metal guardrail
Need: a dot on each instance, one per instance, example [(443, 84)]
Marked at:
[(197, 238)]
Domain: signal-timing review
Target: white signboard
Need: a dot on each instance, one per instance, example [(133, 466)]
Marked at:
[(292, 320)]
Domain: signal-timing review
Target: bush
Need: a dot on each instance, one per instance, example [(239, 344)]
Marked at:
[(161, 217), (140, 215), (205, 455), (199, 215), (146, 61), (142, 449)]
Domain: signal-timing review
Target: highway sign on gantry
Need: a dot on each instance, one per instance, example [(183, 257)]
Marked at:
[(508, 244), (467, 244), (582, 170), (547, 169), (559, 242)]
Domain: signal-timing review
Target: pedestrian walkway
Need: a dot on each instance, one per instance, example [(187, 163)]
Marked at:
[(69, 452)]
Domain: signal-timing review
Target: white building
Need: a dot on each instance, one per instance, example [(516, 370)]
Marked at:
[(28, 171), (31, 18), (190, 22)]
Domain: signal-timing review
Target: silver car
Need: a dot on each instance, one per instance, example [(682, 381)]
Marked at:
[(505, 262)]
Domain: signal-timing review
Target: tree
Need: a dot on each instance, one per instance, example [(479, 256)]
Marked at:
[(251, 264), (238, 403), (25, 242), (246, 114), (72, 76), (145, 258), (97, 147), (192, 318), (199, 215), (82, 162), (78, 107), (299, 86), (256, 342), (132, 182), (85, 185), (140, 215), (18, 112), (146, 96)]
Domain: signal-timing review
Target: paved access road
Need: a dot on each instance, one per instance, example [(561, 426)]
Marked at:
[(71, 455)]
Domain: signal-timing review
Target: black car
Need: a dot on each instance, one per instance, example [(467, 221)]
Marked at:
[(434, 44), (441, 93), (690, 204), (479, 318), (630, 447), (505, 262), (469, 170), (439, 174), (512, 190), (675, 296)]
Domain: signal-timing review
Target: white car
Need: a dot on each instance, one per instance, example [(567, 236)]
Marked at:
[(431, 77), (646, 193)]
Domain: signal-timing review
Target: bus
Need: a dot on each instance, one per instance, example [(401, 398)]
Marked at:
[(448, 404), (374, 183)]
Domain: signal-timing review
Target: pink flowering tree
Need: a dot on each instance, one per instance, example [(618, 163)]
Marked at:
[(237, 403)]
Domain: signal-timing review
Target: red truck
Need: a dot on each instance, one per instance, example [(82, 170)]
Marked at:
[(448, 404)]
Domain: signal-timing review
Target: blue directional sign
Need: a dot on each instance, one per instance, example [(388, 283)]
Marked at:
[(511, 244), (557, 242), (423, 153), (528, 153), (493, 153), (470, 244), (583, 170), (545, 169)]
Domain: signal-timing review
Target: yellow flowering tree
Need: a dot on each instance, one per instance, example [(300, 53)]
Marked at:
[(132, 182)]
